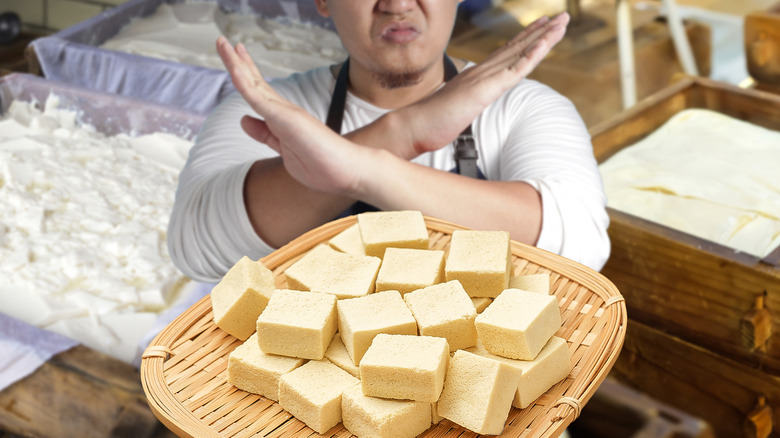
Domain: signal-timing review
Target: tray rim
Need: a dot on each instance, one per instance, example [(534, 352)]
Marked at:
[(172, 414)]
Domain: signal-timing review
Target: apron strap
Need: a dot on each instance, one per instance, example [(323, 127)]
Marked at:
[(465, 148)]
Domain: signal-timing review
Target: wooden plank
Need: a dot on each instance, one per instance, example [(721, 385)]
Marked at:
[(696, 290), (695, 380), (79, 393), (630, 126)]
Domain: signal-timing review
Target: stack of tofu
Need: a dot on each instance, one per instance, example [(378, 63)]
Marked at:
[(381, 333)]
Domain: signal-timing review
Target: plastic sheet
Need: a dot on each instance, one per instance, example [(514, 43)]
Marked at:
[(109, 114), (72, 56)]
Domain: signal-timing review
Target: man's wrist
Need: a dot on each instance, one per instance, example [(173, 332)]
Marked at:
[(372, 167)]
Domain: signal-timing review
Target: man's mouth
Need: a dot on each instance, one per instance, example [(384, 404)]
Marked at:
[(399, 33)]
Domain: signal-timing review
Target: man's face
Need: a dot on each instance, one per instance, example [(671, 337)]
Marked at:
[(393, 37)]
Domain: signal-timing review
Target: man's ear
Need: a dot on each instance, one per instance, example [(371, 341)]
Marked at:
[(322, 7)]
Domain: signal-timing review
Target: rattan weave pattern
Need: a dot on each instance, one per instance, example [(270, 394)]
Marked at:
[(183, 372)]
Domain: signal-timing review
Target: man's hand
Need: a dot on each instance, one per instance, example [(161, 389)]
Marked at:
[(312, 153), (438, 119)]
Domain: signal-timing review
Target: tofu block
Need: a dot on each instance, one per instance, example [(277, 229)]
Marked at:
[(406, 270), (338, 355), (348, 241), (435, 418), (405, 367), (240, 297), (539, 283), (380, 230), (481, 303), (551, 365), (312, 393), (445, 310), (361, 319), (251, 370), (478, 392), (518, 323), (297, 324), (480, 260), (366, 416), (323, 269)]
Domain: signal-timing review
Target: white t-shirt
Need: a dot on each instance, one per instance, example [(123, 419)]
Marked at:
[(530, 134)]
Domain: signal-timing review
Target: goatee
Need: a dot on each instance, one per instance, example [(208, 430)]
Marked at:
[(398, 80)]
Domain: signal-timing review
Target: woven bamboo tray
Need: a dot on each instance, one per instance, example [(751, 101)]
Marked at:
[(184, 370)]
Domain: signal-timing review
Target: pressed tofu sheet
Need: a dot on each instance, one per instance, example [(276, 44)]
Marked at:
[(706, 174)]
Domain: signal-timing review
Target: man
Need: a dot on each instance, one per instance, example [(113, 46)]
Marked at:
[(248, 191)]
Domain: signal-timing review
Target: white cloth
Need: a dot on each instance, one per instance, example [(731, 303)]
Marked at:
[(530, 134), (25, 347)]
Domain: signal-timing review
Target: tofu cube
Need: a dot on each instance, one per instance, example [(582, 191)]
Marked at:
[(297, 324), (348, 241), (481, 303), (539, 283), (338, 355), (361, 319), (480, 260), (366, 416), (550, 366), (405, 269), (478, 392), (239, 298), (518, 323), (323, 269), (251, 370), (397, 229), (405, 367), (312, 393), (445, 310)]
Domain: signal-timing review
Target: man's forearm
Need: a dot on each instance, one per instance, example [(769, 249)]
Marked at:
[(280, 208), (395, 184)]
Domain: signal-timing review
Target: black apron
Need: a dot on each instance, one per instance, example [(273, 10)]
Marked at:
[(465, 149)]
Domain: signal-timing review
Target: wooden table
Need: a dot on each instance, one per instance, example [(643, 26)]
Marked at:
[(79, 393)]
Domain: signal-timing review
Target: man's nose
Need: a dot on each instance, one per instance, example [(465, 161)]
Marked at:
[(396, 6)]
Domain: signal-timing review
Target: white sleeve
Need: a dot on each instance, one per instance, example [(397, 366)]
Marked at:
[(209, 229), (548, 146)]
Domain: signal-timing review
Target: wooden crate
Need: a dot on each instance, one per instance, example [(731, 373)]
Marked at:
[(721, 303), (762, 48), (735, 399)]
